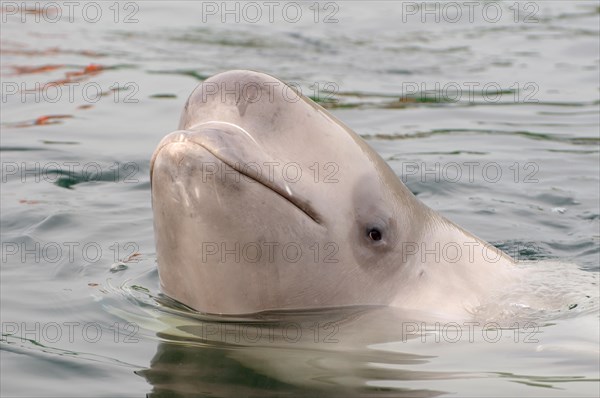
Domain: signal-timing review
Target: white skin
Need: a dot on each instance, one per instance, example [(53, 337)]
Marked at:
[(228, 202)]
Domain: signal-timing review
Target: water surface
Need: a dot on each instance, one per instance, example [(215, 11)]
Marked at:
[(81, 311)]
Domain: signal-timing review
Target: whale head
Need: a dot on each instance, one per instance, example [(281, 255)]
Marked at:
[(263, 200)]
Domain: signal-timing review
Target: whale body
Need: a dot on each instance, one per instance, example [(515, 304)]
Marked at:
[(263, 200)]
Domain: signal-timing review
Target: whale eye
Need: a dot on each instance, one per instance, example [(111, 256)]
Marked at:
[(374, 234)]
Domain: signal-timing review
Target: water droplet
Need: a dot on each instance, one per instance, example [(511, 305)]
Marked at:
[(117, 267)]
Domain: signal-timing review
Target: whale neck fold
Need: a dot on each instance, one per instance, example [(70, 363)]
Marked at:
[(451, 271)]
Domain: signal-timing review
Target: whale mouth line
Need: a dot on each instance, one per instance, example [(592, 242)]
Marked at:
[(280, 189), (300, 204)]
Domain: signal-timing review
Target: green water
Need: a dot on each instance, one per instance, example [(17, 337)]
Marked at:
[(511, 105)]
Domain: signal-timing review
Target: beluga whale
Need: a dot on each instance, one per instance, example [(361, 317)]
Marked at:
[(265, 201)]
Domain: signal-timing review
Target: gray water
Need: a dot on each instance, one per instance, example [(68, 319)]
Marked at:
[(492, 120)]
